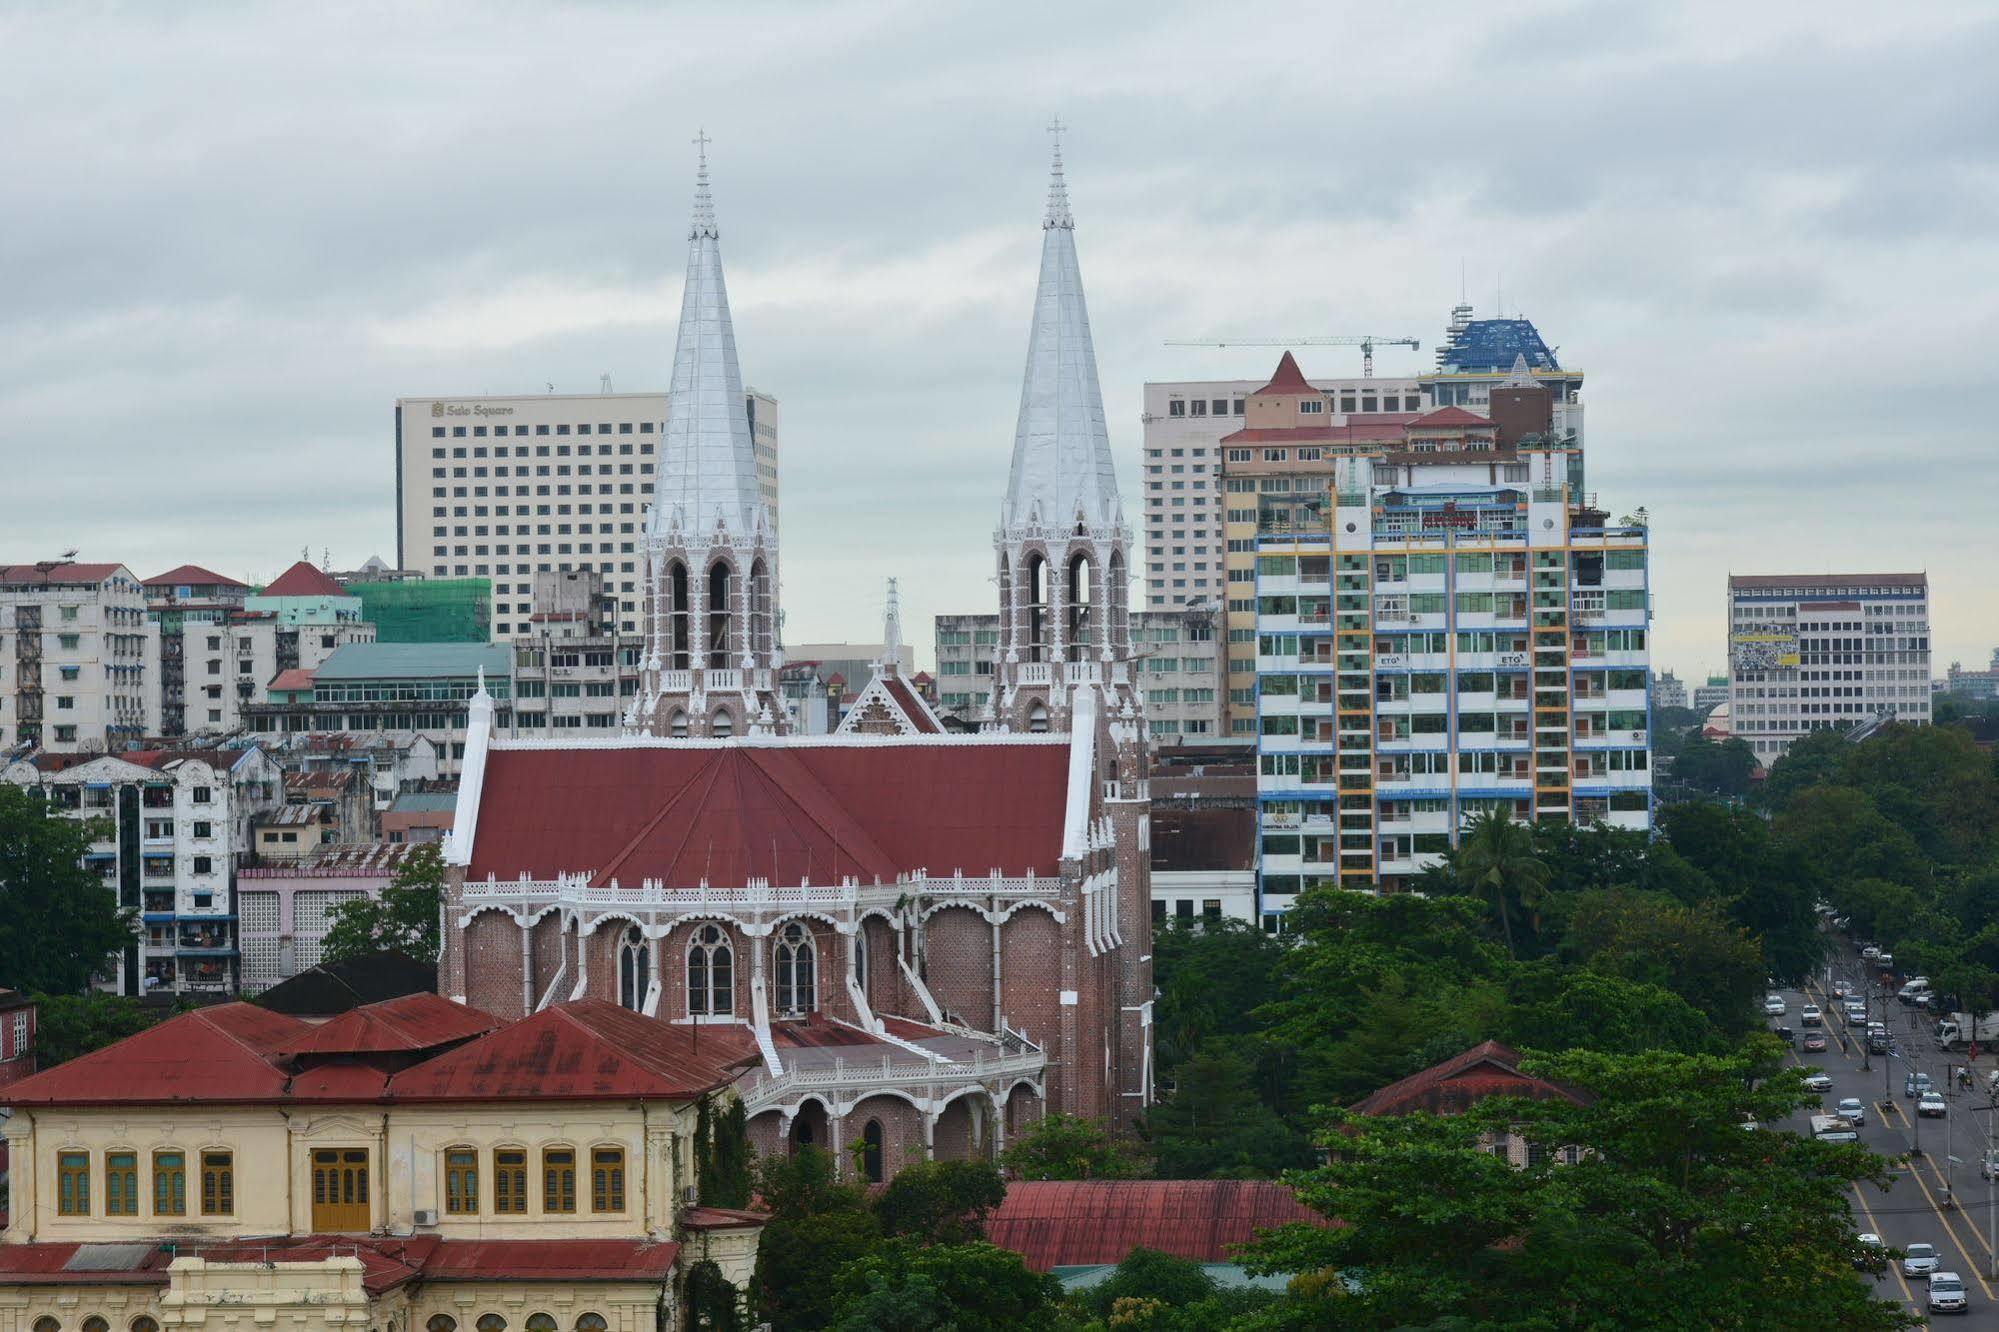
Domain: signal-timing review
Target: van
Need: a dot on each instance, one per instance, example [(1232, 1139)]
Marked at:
[(1832, 1128)]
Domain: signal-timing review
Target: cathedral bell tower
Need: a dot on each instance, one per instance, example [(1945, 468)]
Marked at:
[(712, 650), (1062, 545)]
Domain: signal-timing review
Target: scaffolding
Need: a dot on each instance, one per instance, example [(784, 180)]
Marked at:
[(441, 610)]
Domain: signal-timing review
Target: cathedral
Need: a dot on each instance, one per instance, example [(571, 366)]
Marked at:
[(910, 943)]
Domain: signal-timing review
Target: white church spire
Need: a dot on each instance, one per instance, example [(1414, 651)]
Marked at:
[(707, 463), (1062, 468)]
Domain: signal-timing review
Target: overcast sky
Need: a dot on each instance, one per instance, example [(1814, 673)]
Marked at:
[(231, 235)]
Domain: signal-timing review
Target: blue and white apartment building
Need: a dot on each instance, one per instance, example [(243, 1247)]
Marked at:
[(1449, 626)]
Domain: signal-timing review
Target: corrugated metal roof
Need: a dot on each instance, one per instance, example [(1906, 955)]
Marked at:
[(1064, 1223), (416, 661), (425, 802), (409, 1023), (1487, 1069)]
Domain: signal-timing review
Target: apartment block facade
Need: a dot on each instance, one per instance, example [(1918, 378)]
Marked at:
[(1177, 656), (1453, 631), (1811, 651), (74, 654), (508, 487)]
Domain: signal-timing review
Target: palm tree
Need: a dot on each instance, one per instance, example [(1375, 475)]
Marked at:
[(1496, 856)]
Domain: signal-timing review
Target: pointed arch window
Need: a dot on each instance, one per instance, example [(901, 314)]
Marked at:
[(720, 589), (860, 938), (796, 962), (677, 613), (1116, 603), (711, 974), (724, 723), (1037, 719), (1079, 603), (760, 613), (871, 1151), (634, 969), (677, 725), (1035, 588)]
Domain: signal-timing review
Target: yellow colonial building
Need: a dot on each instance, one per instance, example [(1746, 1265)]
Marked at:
[(413, 1164)]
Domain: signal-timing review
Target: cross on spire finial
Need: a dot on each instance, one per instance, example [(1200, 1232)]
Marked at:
[(1058, 188), (704, 202)]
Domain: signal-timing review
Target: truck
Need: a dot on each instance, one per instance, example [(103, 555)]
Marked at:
[(1957, 1029)]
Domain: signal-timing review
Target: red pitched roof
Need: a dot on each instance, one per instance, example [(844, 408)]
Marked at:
[(1065, 1223), (224, 1053), (585, 1050), (386, 1262), (787, 813), (1379, 426), (1488, 1069), (191, 575), (303, 580), (298, 677), (414, 1022), (1288, 379), (912, 707), (57, 574), (1451, 416)]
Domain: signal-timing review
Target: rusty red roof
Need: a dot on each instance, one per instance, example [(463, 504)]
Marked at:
[(1449, 1088), (1289, 379), (1382, 426), (584, 1050), (1069, 1223), (224, 1053), (1451, 416), (191, 575), (298, 677), (912, 707), (386, 1262), (303, 580), (58, 574), (1203, 839), (413, 1022), (789, 813)]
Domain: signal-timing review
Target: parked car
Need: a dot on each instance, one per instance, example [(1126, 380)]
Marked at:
[(1915, 1085), (1947, 1293), (1819, 1082), (1919, 1260), (1852, 1111), (1932, 1105)]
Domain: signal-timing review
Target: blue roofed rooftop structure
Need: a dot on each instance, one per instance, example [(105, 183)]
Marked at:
[(1481, 346)]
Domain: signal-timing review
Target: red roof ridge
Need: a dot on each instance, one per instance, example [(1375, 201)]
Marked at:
[(1446, 416), (1288, 379), (853, 831), (192, 575), (714, 768), (303, 580)]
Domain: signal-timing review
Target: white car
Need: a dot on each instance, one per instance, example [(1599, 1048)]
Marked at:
[(1919, 1260), (1819, 1082), (1810, 1015), (1931, 1105), (1775, 1006), (1853, 1112), (1947, 1293)]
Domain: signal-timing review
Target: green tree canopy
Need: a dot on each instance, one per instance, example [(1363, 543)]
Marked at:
[(1213, 1125), (819, 1224), (404, 919), (943, 1201), (68, 1025), (60, 926), (909, 1287), (1671, 1216), (1059, 1146)]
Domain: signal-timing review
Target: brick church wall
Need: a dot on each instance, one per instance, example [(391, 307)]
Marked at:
[(958, 964)]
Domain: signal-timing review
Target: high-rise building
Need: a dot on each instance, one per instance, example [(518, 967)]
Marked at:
[(507, 487), (75, 648), (1973, 683), (1668, 691), (1450, 628), (1812, 651), (1707, 697)]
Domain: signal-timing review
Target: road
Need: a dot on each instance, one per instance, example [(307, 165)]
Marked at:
[(1911, 1211)]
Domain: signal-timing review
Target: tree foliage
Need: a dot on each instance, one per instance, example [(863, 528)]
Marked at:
[(819, 1224), (404, 919), (1672, 1215), (944, 1201), (1059, 1146), (60, 927), (909, 1287), (68, 1025)]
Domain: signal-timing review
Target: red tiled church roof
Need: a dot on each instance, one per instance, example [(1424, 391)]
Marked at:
[(303, 580), (912, 707), (790, 814), (1449, 1088), (585, 1050), (1065, 1223)]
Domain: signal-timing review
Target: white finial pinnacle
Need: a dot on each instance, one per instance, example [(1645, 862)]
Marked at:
[(704, 202), (1058, 188), (482, 679), (892, 631)]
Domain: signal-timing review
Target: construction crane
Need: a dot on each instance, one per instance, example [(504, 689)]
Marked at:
[(1367, 342)]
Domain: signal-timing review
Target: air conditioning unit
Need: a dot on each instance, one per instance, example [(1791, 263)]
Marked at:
[(426, 1216)]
